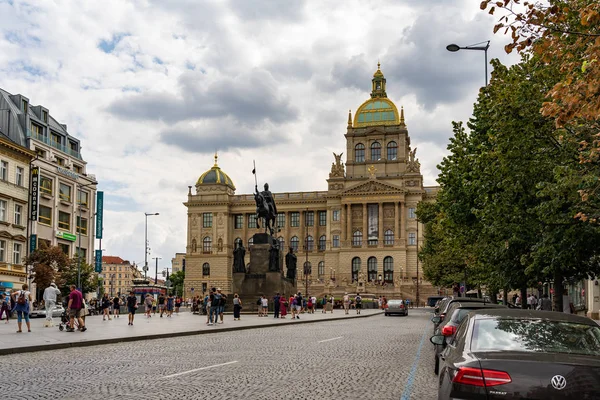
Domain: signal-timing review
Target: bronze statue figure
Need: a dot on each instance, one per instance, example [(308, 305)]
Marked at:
[(239, 265), (274, 257), (290, 262), (265, 208)]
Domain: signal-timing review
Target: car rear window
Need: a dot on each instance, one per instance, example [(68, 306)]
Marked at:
[(394, 302), (532, 335), (460, 314)]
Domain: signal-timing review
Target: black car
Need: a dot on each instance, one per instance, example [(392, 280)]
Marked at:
[(443, 310), (521, 354), (432, 300), (454, 316)]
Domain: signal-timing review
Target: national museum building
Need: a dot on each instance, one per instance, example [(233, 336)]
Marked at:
[(360, 234)]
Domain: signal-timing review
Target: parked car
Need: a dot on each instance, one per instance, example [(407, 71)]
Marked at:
[(396, 307), (517, 354), (432, 300), (455, 314), (443, 310), (41, 313)]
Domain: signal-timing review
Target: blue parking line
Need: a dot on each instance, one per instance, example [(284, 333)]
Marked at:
[(411, 378)]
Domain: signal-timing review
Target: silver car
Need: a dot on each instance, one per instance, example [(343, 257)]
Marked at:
[(396, 307), (41, 313)]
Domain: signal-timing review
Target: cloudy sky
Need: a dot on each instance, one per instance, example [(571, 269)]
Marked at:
[(153, 88)]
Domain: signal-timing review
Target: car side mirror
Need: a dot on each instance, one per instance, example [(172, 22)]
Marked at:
[(436, 320), (437, 339)]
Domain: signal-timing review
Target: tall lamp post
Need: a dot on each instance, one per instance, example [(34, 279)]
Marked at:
[(156, 270), (146, 245), (79, 252), (477, 46)]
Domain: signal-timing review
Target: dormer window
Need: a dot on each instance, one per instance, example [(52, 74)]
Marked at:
[(45, 116), (24, 104)]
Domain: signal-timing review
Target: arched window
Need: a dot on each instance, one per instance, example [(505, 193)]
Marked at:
[(281, 241), (294, 243), (388, 237), (392, 150), (250, 242), (372, 269), (205, 269), (307, 268), (388, 269), (310, 243), (375, 151), (194, 246), (321, 269), (322, 243), (207, 244), (355, 268), (359, 153), (357, 238)]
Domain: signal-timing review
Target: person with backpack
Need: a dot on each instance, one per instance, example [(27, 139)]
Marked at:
[(358, 302), (23, 299), (299, 301)]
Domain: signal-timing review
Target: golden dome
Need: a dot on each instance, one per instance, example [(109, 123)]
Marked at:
[(215, 176), (378, 110)]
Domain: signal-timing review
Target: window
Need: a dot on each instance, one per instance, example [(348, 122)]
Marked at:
[(295, 219), (45, 116), (3, 207), (64, 192), (359, 153), (388, 238), (45, 215), (2, 249), (40, 152), (372, 269), (392, 151), (239, 221), (355, 268), (60, 161), (250, 242), (307, 268), (411, 213), (82, 225), (207, 220), (322, 218), (310, 243), (45, 185), (336, 240), (207, 244), (281, 241), (78, 169), (336, 215), (24, 104), (81, 252), (16, 253), (388, 269), (281, 220), (19, 176), (82, 198), (206, 269), (375, 151), (412, 239), (56, 140), (18, 212), (294, 243), (251, 220), (357, 238), (64, 220), (4, 170), (321, 269), (322, 243), (310, 218)]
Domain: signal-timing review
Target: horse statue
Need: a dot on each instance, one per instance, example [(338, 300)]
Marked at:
[(265, 209)]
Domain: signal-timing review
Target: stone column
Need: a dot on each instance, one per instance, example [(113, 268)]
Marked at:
[(344, 222), (365, 225), (349, 224), (380, 225), (402, 220), (396, 223)]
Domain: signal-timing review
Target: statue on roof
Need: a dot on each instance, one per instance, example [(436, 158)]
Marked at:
[(413, 164), (337, 168)]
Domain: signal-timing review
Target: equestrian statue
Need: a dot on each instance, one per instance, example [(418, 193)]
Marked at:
[(265, 206)]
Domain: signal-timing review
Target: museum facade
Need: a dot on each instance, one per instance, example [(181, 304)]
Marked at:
[(360, 235)]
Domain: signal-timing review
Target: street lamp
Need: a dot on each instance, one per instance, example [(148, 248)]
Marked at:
[(79, 252), (156, 270), (146, 245), (454, 48)]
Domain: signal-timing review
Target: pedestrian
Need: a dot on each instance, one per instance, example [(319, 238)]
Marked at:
[(177, 304), (23, 300), (314, 304), (545, 303), (358, 301), (299, 301), (332, 300), (132, 305), (276, 305), (153, 305), (283, 305), (292, 304), (170, 305), (161, 304), (384, 303), (222, 302), (324, 304), (105, 307), (148, 305), (265, 305), (214, 306), (309, 305), (207, 305), (237, 307), (74, 308), (4, 307), (380, 303), (116, 306), (518, 301), (50, 295), (346, 300)]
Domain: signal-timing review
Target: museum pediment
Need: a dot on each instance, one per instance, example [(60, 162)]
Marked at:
[(373, 186)]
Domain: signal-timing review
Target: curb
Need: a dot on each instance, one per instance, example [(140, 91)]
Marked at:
[(59, 346)]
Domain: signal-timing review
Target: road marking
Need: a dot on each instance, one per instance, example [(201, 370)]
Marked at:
[(411, 376), (328, 340), (199, 369)]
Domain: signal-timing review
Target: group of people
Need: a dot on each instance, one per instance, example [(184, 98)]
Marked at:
[(214, 304), (356, 302), (533, 303), (165, 304)]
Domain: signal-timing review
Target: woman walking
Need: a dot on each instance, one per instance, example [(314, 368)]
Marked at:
[(132, 305), (4, 307), (106, 307), (283, 305), (116, 307), (170, 305), (237, 307), (148, 305), (177, 304), (23, 299)]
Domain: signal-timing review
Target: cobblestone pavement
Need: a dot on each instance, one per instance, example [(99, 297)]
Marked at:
[(370, 358)]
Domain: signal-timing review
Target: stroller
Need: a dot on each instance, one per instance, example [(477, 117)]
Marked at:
[(64, 322)]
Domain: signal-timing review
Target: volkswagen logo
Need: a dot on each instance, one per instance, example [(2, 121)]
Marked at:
[(558, 382)]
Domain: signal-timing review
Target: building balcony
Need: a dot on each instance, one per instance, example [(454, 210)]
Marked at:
[(53, 144)]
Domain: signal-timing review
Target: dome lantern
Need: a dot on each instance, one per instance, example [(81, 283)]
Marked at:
[(215, 176)]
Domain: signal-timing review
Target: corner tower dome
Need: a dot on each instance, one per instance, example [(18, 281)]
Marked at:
[(378, 110), (215, 176)]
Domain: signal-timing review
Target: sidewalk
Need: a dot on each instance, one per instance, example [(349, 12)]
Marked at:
[(117, 330)]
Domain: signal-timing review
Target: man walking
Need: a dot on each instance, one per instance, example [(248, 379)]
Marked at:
[(346, 301), (50, 301), (132, 305), (298, 305), (74, 309), (222, 301), (545, 303), (276, 305), (214, 306), (161, 304), (358, 301)]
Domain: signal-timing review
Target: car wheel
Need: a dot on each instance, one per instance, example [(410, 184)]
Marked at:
[(60, 328), (436, 368)]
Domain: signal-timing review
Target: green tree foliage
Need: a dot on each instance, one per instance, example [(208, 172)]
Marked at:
[(69, 273), (47, 262), (176, 279)]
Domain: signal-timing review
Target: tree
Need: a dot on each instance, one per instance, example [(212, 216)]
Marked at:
[(176, 279), (47, 262), (70, 273)]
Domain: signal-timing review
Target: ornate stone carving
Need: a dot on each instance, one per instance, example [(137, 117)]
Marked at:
[(388, 213), (373, 186), (337, 168), (372, 170), (220, 219), (357, 214), (336, 186), (413, 165)]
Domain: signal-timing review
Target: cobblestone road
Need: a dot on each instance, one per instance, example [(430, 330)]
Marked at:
[(371, 358)]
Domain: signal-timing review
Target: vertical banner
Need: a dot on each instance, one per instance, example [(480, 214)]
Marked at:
[(33, 203), (373, 221), (98, 261), (32, 243), (99, 212)]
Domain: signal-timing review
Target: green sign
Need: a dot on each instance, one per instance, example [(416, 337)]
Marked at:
[(66, 236), (32, 242), (99, 213)]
